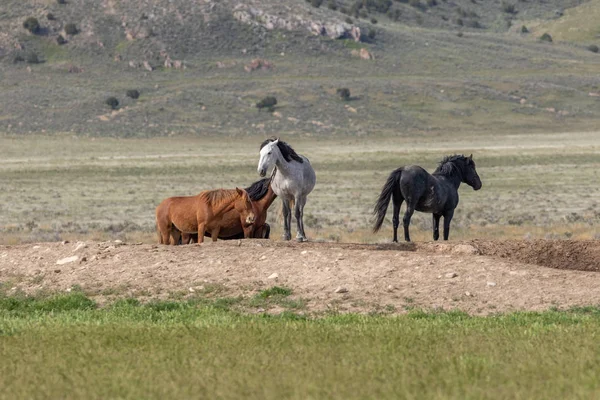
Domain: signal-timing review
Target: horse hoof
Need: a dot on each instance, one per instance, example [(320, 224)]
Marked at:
[(287, 237), (301, 239)]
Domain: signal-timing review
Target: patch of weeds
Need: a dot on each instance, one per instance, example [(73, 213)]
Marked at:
[(274, 291), (161, 305), (409, 300), (177, 295), (225, 303), (211, 288), (56, 303), (294, 304), (126, 303)]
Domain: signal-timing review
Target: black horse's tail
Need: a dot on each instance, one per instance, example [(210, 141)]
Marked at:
[(393, 181)]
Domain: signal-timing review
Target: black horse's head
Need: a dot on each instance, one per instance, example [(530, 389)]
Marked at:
[(460, 168), (470, 176)]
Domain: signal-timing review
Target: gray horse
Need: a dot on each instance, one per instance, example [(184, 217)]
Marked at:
[(294, 178)]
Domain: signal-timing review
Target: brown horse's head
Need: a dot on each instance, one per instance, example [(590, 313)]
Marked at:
[(244, 207)]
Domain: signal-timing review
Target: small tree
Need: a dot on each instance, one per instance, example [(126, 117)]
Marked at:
[(268, 103), (71, 29), (371, 33), (134, 94), (509, 8), (113, 102), (546, 38), (61, 40), (61, 1), (344, 93), (373, 20), (524, 29), (32, 25), (593, 48), (332, 5), (32, 58), (349, 20), (50, 17)]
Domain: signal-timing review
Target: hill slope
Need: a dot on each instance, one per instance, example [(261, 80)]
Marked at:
[(192, 63)]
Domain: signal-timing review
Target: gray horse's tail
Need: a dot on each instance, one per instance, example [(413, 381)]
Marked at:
[(392, 183)]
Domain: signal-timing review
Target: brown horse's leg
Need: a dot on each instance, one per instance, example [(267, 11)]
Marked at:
[(201, 230), (215, 233), (176, 235)]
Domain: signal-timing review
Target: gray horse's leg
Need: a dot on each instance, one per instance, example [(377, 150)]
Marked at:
[(287, 219), (299, 214), (447, 218), (436, 226)]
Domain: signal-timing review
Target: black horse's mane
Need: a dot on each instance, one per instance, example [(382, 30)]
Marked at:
[(451, 163), (258, 189), (286, 150)]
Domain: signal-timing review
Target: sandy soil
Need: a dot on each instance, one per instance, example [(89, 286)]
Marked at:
[(479, 277)]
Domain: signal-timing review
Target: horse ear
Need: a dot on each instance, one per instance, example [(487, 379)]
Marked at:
[(276, 141), (471, 157), (239, 191)]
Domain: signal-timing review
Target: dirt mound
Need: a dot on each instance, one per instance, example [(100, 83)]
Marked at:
[(561, 254), (479, 277)]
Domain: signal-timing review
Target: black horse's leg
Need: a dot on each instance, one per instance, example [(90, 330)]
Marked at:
[(436, 226), (447, 218), (287, 220), (410, 209), (397, 200), (266, 231)]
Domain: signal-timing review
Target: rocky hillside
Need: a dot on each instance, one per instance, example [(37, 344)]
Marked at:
[(201, 65)]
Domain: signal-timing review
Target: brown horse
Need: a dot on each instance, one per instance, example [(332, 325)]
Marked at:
[(262, 197), (202, 213)]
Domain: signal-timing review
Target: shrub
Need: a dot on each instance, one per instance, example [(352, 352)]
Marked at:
[(332, 5), (459, 34), (394, 15), (61, 40), (432, 3), (134, 94), (268, 103), (373, 20), (50, 17), (593, 48), (474, 24), (349, 20), (71, 29), (546, 37), (32, 25), (372, 33), (459, 22), (316, 3), (415, 4), (61, 1), (32, 58), (509, 8), (524, 29), (18, 58), (113, 102), (344, 10), (344, 93), (364, 14)]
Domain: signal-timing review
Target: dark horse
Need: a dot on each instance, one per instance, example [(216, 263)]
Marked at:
[(436, 193)]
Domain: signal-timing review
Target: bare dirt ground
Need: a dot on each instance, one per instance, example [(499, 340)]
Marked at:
[(479, 277)]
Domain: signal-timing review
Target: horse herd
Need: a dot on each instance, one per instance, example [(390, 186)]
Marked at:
[(242, 213)]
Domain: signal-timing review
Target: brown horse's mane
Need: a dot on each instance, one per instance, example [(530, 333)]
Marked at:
[(219, 196)]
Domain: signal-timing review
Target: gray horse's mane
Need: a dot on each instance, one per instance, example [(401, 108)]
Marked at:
[(286, 150), (451, 163)]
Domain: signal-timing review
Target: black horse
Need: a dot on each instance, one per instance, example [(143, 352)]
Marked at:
[(436, 193)]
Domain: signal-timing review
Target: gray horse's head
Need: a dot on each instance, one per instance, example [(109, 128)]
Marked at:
[(269, 155)]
